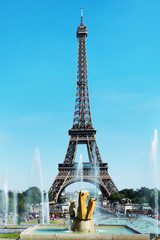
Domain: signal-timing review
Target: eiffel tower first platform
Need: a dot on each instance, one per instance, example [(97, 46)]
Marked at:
[(82, 132)]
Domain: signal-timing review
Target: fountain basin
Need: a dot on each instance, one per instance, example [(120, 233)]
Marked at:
[(143, 224), (114, 232)]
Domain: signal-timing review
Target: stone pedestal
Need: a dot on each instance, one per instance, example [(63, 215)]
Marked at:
[(83, 225)]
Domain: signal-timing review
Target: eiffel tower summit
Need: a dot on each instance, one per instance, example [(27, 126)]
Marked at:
[(82, 132)]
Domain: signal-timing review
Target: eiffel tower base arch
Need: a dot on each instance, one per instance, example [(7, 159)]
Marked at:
[(68, 174)]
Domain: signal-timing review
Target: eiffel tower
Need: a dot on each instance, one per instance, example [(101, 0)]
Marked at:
[(82, 132)]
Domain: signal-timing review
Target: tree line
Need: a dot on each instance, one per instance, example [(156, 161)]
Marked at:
[(33, 196), (138, 196), (24, 199)]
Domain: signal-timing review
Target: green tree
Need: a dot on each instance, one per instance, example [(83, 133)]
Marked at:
[(32, 195), (142, 200), (10, 204), (129, 193), (116, 197), (21, 206)]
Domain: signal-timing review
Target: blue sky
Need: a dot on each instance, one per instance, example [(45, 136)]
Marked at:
[(38, 64)]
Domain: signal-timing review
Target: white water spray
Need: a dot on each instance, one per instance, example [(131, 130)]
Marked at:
[(96, 177), (80, 171), (6, 198), (154, 157), (15, 215), (79, 175), (37, 162), (47, 208), (96, 170)]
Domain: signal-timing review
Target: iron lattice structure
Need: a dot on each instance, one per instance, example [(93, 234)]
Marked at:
[(82, 132)]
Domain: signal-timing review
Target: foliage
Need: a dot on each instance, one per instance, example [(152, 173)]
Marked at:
[(116, 197), (128, 193), (49, 196), (10, 235), (32, 195), (142, 195), (63, 199), (21, 206)]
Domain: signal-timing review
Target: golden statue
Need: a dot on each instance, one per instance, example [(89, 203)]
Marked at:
[(83, 222), (72, 208), (90, 207), (82, 210)]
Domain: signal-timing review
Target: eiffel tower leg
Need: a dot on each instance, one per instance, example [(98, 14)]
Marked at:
[(93, 151), (57, 185), (55, 188), (71, 151), (89, 151), (63, 173), (107, 185), (110, 184)]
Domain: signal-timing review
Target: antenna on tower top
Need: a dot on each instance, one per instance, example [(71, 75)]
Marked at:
[(81, 15)]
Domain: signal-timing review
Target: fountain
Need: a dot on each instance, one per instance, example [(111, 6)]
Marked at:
[(96, 169), (37, 164), (80, 170), (154, 157), (46, 209), (15, 215), (6, 198), (83, 222), (82, 226), (96, 176)]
